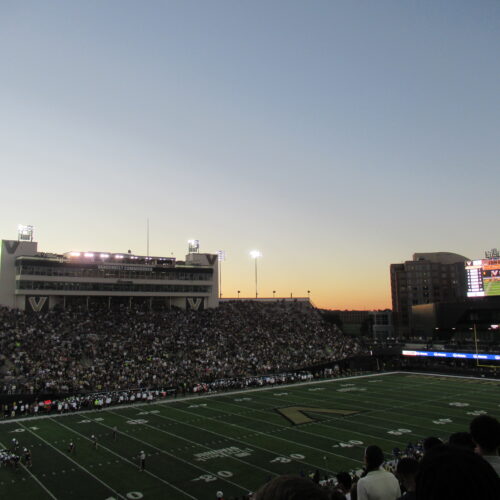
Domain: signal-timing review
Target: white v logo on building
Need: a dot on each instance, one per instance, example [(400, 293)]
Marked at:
[(37, 303), (194, 303)]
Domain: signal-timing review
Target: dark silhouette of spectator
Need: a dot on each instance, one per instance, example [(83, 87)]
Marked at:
[(463, 440), (449, 472), (291, 488), (485, 432), (430, 442), (344, 484), (376, 483), (337, 495), (406, 472)]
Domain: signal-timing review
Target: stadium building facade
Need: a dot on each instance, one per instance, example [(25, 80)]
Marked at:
[(429, 278), (38, 281)]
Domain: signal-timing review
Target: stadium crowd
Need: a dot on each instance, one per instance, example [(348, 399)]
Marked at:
[(466, 467), (79, 352)]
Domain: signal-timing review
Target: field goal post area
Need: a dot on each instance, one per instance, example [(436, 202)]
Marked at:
[(478, 361)]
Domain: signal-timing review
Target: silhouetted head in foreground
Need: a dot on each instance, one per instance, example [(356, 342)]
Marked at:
[(485, 431), (291, 488), (430, 443), (462, 440), (456, 473), (374, 458)]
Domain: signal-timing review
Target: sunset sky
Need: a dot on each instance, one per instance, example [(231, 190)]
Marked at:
[(336, 137)]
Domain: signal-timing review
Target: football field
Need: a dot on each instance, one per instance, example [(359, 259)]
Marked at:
[(235, 442), (492, 287)]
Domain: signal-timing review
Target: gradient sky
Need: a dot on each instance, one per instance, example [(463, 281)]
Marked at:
[(334, 136)]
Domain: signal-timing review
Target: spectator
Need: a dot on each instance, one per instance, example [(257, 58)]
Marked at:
[(463, 440), (344, 483), (485, 432), (291, 488), (430, 443), (406, 472), (101, 351), (376, 483), (455, 473)]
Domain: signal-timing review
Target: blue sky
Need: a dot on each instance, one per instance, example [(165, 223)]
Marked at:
[(335, 136)]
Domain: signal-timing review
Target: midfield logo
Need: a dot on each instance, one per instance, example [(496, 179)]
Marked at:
[(297, 414)]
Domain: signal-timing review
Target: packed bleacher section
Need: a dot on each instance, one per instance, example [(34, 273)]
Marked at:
[(91, 351)]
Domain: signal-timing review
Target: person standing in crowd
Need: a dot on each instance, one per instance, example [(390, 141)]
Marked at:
[(291, 488), (406, 472), (485, 432), (376, 483), (344, 484), (451, 472)]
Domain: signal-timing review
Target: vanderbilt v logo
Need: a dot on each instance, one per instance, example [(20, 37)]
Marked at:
[(194, 303), (37, 303), (211, 259), (10, 246), (300, 414)]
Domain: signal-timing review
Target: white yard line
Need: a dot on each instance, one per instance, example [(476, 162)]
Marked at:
[(272, 436), (126, 460), (228, 438), (366, 414), (35, 478), (76, 463), (244, 488)]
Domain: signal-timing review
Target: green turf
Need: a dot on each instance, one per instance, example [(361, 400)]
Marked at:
[(491, 287), (183, 439)]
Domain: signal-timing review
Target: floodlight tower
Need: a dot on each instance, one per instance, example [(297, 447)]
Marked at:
[(255, 254)]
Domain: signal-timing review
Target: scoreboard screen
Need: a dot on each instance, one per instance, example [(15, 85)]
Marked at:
[(483, 277)]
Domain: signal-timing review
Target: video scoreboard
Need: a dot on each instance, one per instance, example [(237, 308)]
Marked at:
[(483, 277)]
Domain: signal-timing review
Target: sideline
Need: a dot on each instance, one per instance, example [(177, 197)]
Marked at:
[(197, 397)]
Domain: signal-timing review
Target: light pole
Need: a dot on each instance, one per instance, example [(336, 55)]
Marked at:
[(274, 293), (221, 257), (255, 254), (238, 294)]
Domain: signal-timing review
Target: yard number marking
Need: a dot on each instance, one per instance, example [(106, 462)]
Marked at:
[(442, 421), (286, 460), (208, 478), (398, 432), (132, 495)]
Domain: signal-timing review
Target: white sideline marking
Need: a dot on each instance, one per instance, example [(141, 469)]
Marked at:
[(197, 397), (34, 477), (242, 391), (76, 463)]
